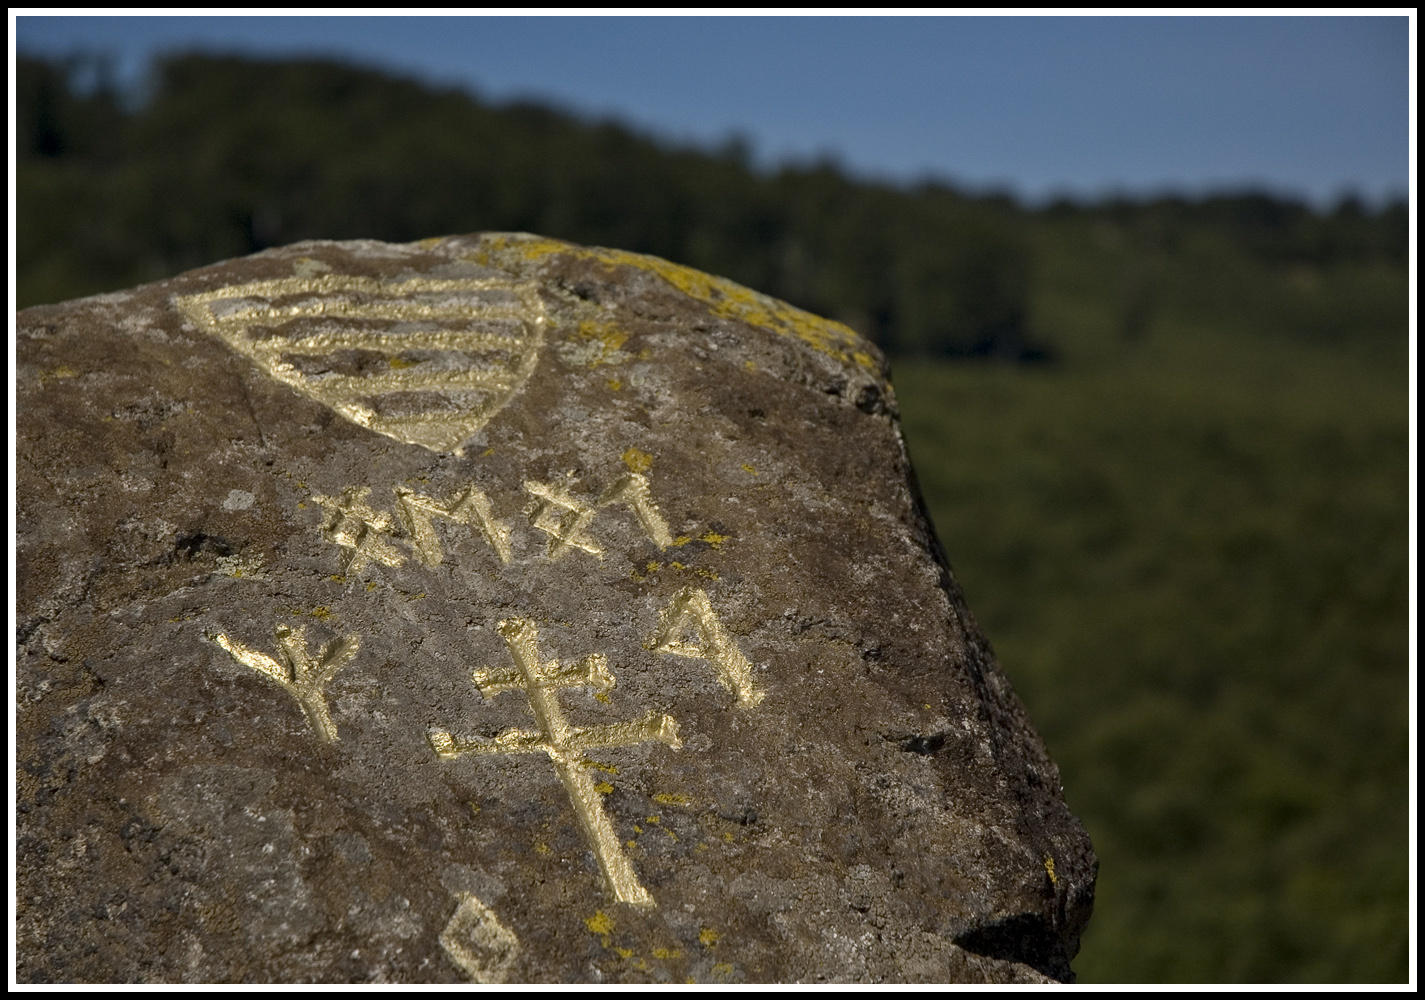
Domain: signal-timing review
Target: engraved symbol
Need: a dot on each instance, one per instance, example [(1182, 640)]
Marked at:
[(632, 490), (563, 517), (476, 941), (423, 361), (470, 507), (692, 611), (301, 675), (564, 743), (355, 526)]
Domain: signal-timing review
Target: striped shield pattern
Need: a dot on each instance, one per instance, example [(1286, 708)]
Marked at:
[(425, 361)]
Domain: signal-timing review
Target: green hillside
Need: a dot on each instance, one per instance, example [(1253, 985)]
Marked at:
[(1193, 566), (1165, 442)]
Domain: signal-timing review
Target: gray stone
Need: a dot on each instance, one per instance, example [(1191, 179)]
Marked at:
[(498, 609)]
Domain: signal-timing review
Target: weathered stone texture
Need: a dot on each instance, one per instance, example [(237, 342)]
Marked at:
[(257, 596)]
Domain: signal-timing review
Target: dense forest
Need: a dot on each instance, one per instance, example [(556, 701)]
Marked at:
[(226, 156), (1165, 441)]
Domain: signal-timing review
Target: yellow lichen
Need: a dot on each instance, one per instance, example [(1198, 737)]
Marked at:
[(733, 301), (708, 937), (680, 567), (649, 570), (669, 799), (532, 248), (637, 460), (725, 298), (594, 343), (607, 334), (601, 924), (597, 343)]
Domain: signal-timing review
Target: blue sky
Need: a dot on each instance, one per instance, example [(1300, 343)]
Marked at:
[(1308, 106)]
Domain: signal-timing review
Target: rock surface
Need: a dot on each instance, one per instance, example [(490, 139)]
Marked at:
[(497, 609)]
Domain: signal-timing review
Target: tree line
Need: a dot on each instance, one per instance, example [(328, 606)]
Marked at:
[(224, 156)]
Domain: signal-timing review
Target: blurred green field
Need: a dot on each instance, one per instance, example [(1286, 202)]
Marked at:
[(1189, 548)]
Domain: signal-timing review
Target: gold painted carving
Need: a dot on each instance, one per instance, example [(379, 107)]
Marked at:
[(355, 526), (484, 949), (300, 674), (564, 517), (564, 743), (688, 627), (367, 534), (691, 611), (469, 507), (424, 361), (632, 490)]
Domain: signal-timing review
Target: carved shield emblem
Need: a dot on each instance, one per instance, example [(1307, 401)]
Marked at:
[(425, 361)]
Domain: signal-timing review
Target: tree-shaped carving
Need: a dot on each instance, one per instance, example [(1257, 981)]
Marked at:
[(302, 675)]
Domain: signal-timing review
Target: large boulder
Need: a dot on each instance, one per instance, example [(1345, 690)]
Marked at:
[(495, 608)]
